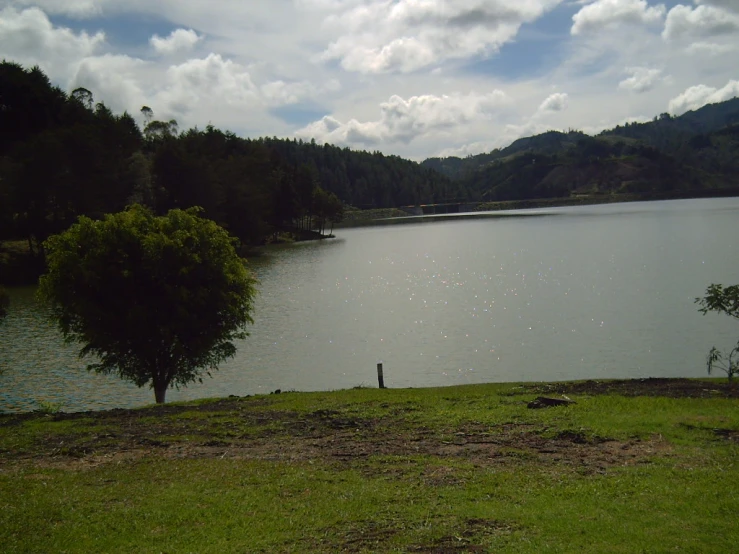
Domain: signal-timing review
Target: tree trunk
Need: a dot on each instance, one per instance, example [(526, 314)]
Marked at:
[(160, 391)]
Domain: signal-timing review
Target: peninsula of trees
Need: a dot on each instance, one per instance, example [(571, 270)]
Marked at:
[(64, 155)]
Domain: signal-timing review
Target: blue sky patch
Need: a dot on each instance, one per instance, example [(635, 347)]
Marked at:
[(124, 31), (300, 115), (537, 48)]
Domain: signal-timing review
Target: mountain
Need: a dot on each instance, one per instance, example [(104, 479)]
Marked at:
[(549, 142), (668, 133), (694, 152)]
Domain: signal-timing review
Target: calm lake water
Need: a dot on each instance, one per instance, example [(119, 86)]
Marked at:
[(564, 293)]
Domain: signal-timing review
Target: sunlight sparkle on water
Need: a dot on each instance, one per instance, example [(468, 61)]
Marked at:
[(317, 331)]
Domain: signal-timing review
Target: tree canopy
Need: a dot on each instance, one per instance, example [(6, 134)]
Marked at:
[(66, 155), (156, 300)]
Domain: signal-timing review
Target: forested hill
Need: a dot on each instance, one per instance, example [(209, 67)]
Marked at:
[(64, 155), (696, 151)]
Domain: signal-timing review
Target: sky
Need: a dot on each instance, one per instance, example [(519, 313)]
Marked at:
[(415, 78)]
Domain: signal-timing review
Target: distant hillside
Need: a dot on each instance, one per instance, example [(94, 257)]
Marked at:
[(669, 133), (698, 150), (549, 142)]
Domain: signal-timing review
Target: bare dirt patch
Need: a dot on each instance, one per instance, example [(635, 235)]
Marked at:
[(376, 536), (727, 434), (367, 536), (323, 435), (673, 388), (247, 428), (467, 539)]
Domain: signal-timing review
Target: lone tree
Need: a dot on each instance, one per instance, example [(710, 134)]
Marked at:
[(725, 301), (158, 300)]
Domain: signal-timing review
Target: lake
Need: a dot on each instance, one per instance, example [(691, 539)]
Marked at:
[(551, 294)]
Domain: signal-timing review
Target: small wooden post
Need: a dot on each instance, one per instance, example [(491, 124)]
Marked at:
[(380, 378)]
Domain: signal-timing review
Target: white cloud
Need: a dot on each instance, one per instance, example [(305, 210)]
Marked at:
[(212, 79), (195, 91), (643, 79), (702, 21), (113, 79), (72, 8), (700, 95), (539, 122), (405, 120), (504, 137), (179, 40), (378, 36), (280, 93), (731, 5), (530, 128), (262, 55), (631, 119), (710, 49), (473, 148), (607, 13), (225, 87), (28, 37), (556, 102)]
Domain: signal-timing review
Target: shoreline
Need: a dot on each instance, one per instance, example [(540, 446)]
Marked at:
[(389, 216), (20, 268), (623, 464), (677, 387)]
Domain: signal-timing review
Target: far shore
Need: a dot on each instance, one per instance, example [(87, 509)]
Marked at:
[(439, 212), (19, 267)]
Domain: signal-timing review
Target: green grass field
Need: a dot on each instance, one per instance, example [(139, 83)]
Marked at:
[(462, 469)]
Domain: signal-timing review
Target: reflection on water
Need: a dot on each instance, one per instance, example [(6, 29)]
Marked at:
[(38, 367), (577, 292)]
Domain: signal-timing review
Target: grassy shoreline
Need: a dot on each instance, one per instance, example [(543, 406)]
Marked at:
[(633, 466)]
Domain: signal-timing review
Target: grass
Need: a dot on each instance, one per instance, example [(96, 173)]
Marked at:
[(461, 469)]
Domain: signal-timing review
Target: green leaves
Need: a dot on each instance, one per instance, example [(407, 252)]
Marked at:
[(726, 301), (157, 300), (720, 299)]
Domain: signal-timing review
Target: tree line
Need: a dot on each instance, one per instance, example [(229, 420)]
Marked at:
[(64, 155)]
